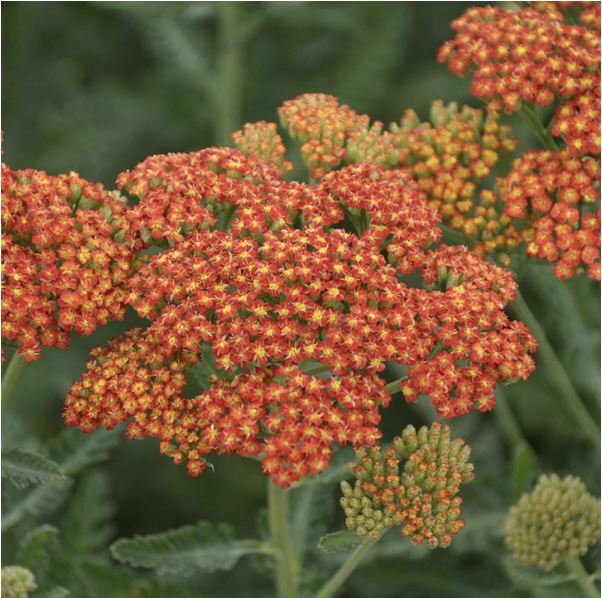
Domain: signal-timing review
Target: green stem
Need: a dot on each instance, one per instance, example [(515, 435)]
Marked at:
[(536, 125), (507, 421), (394, 386), (287, 566), (569, 395), (524, 460), (228, 77), (584, 581), (10, 376), (346, 569)]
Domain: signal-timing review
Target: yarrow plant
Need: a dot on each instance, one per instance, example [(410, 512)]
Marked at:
[(286, 303)]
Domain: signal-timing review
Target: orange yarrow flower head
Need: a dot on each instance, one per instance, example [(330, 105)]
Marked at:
[(557, 194), (294, 316), (422, 496), (67, 250), (530, 55)]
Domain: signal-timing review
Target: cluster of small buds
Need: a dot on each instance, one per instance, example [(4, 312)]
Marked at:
[(423, 498), (530, 55), (275, 303), (17, 582), (557, 195), (323, 126), (67, 250), (559, 519), (450, 156), (261, 140)]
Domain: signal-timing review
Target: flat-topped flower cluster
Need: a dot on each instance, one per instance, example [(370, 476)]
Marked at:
[(300, 315)]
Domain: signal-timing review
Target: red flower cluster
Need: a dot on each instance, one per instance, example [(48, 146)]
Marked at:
[(423, 497), (557, 193), (529, 55), (299, 320), (67, 250)]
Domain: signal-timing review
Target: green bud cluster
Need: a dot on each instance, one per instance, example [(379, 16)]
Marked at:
[(558, 519), (17, 582), (422, 496)]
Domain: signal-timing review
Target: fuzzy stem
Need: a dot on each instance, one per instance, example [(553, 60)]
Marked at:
[(227, 91), (337, 580), (287, 567), (10, 376), (569, 395), (584, 581)]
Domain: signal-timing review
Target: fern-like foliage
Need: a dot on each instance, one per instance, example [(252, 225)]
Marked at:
[(41, 500), (25, 467), (87, 525), (204, 547), (76, 451)]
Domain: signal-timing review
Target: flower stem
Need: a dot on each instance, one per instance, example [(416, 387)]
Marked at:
[(337, 580), (287, 567), (10, 376), (536, 125), (569, 395), (584, 581), (227, 91)]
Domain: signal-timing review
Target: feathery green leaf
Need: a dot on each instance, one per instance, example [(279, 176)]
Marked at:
[(204, 547), (24, 467)]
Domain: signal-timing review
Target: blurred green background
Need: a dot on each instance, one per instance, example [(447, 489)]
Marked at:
[(95, 87)]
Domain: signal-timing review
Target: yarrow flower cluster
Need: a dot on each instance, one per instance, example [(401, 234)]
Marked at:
[(529, 55), (536, 57), (67, 250), (422, 496), (300, 317), (559, 519), (554, 192)]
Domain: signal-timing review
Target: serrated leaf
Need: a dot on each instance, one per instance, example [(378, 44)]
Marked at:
[(35, 548), (339, 541), (76, 451), (87, 527), (40, 500), (24, 467), (204, 547)]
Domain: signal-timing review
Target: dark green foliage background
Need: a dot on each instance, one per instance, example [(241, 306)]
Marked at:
[(96, 87)]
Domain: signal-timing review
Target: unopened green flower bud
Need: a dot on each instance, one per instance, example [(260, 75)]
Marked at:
[(557, 520)]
